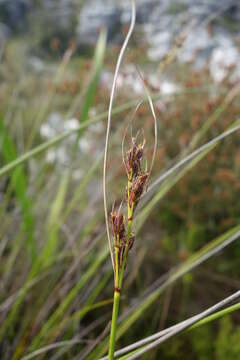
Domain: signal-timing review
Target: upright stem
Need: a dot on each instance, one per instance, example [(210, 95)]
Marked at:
[(118, 279), (126, 254), (117, 271), (116, 301), (129, 230)]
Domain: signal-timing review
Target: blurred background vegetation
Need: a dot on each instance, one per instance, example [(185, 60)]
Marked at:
[(57, 62)]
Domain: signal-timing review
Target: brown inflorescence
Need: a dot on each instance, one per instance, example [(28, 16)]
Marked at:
[(134, 158), (118, 227), (136, 176), (137, 180), (137, 189), (119, 234)]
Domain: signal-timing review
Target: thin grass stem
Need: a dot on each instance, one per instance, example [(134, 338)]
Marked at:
[(120, 57), (116, 302)]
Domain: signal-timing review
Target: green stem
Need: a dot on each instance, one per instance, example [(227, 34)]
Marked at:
[(116, 301), (129, 230), (118, 279)]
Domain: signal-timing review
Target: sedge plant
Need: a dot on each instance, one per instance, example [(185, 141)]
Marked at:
[(122, 239), (123, 236)]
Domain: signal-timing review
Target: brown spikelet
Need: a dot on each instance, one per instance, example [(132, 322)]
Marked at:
[(118, 226), (133, 159), (137, 189)]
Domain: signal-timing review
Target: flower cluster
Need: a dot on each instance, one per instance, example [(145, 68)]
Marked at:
[(136, 176), (134, 159), (119, 235), (136, 190), (123, 237), (118, 227)]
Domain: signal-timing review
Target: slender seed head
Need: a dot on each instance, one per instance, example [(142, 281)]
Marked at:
[(137, 180), (137, 189), (133, 159), (118, 226)]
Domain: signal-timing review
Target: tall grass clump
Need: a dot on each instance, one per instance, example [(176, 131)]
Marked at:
[(174, 241)]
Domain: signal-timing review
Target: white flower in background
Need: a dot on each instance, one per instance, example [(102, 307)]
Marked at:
[(46, 131), (196, 41), (51, 156), (71, 124), (84, 145), (223, 57), (169, 88), (160, 45), (54, 126)]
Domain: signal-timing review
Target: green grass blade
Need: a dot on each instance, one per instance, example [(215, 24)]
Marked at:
[(97, 66), (49, 97), (53, 225), (216, 316), (200, 319), (174, 178), (19, 185), (63, 307), (61, 137), (195, 260), (50, 246), (215, 116)]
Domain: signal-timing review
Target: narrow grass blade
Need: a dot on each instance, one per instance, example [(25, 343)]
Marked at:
[(19, 185), (139, 344), (191, 160), (97, 66), (49, 97), (50, 246), (195, 260), (53, 225), (63, 307), (185, 325), (215, 116), (61, 137), (57, 345)]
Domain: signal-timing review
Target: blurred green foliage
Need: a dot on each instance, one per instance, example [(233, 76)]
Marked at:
[(71, 295)]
